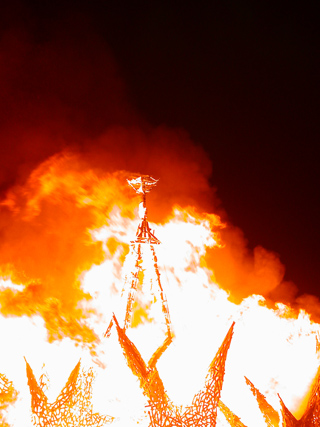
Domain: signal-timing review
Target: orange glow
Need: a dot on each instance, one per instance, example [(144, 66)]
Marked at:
[(65, 256)]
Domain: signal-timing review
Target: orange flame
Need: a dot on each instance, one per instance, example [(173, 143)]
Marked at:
[(64, 258)]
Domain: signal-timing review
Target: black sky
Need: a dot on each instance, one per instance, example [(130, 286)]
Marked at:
[(242, 78)]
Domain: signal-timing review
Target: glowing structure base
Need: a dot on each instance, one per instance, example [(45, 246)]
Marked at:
[(162, 412), (72, 408)]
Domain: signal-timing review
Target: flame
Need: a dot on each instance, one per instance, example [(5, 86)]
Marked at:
[(66, 262)]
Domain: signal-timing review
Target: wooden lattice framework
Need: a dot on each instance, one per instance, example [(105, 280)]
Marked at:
[(144, 236), (160, 409), (8, 395), (162, 412), (232, 419), (270, 415), (311, 416), (72, 408), (288, 419), (203, 411)]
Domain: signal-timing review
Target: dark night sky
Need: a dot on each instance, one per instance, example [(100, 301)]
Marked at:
[(242, 78)]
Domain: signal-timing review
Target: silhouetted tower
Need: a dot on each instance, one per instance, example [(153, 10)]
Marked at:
[(144, 236)]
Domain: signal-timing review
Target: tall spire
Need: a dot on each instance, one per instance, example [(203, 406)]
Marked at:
[(143, 185)]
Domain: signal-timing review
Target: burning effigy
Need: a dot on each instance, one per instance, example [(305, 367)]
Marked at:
[(143, 185), (161, 342), (162, 412)]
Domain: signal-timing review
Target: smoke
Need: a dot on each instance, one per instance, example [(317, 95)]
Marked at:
[(45, 223), (56, 89), (67, 128), (241, 271)]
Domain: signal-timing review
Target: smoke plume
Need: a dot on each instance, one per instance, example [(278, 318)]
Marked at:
[(69, 138)]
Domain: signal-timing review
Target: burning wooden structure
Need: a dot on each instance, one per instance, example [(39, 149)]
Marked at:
[(270, 415), (72, 408), (144, 236), (162, 412), (8, 395), (203, 410), (311, 416), (232, 419)]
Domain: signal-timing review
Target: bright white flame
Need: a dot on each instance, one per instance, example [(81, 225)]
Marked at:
[(276, 352)]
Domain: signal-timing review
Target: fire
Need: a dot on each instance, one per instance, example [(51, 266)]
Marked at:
[(66, 265)]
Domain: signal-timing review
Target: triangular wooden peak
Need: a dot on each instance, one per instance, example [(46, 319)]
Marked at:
[(162, 412), (310, 418), (73, 405)]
